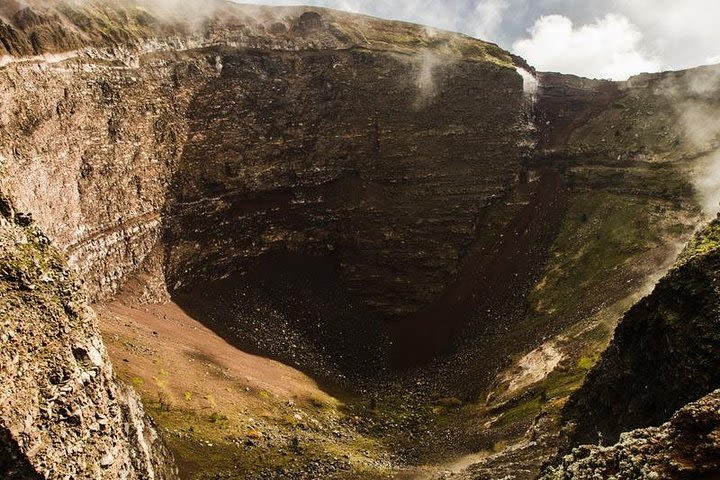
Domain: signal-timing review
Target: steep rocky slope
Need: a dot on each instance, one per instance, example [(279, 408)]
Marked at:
[(62, 414), (664, 353)]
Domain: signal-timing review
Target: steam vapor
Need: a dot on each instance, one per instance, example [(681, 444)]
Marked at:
[(696, 97)]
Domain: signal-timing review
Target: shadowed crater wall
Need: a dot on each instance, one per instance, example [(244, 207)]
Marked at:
[(379, 154), (335, 155)]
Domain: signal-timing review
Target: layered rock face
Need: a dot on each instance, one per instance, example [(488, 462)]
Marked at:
[(89, 156), (340, 153), (568, 103), (62, 414), (384, 158)]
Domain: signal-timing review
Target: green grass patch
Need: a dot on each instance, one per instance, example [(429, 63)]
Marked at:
[(591, 260), (522, 412), (704, 242), (586, 363)]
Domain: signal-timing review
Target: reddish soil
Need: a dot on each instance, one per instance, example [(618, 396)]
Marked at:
[(157, 346)]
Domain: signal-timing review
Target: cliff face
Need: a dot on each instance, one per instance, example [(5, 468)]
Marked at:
[(664, 353), (340, 153), (568, 103), (63, 414), (89, 156), (309, 151)]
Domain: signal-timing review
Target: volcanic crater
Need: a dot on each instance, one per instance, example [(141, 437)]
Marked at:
[(321, 245)]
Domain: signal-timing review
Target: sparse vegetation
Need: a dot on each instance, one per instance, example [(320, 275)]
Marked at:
[(163, 400), (705, 241), (216, 417), (603, 235)]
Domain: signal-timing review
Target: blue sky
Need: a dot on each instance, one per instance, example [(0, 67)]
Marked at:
[(595, 38)]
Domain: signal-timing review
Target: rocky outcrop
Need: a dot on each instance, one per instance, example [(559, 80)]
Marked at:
[(664, 353), (62, 412), (686, 447)]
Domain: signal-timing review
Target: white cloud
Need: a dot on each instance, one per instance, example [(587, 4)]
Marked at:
[(607, 48), (683, 32)]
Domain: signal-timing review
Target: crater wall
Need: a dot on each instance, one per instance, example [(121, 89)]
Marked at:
[(62, 412), (216, 155)]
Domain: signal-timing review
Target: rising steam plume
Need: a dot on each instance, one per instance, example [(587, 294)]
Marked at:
[(695, 95)]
